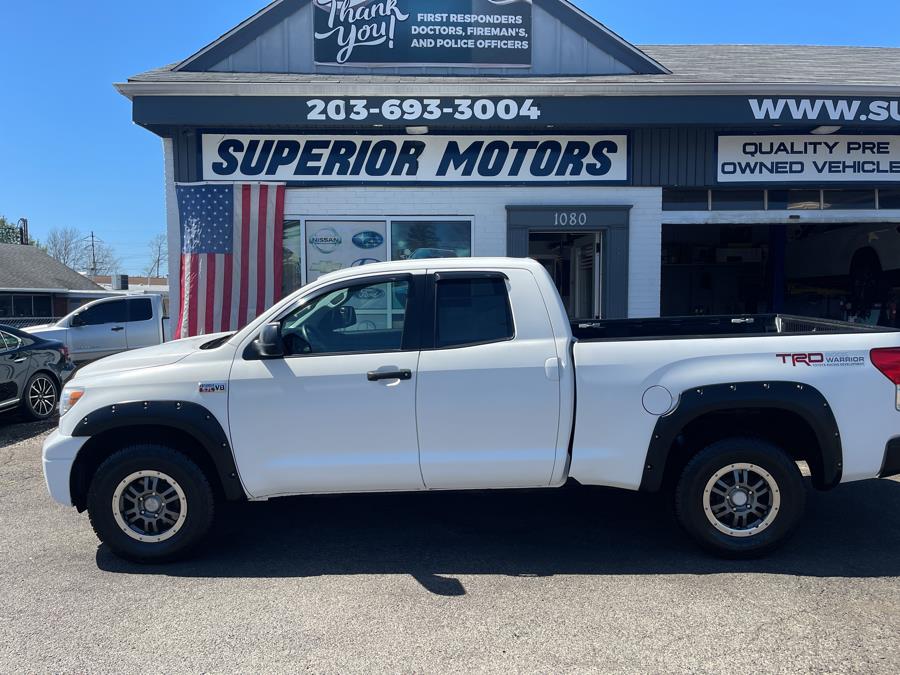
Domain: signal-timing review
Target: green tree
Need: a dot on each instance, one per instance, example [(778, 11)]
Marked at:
[(9, 232)]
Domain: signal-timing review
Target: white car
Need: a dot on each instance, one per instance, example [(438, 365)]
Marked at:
[(461, 374)]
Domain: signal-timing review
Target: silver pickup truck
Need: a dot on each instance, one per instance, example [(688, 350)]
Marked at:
[(109, 326)]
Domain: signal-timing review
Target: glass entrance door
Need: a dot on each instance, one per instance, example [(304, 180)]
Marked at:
[(573, 261)]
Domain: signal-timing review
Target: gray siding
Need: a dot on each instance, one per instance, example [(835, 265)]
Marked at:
[(288, 48)]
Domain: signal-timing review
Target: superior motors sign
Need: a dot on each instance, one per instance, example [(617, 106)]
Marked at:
[(808, 158), (416, 33), (310, 159)]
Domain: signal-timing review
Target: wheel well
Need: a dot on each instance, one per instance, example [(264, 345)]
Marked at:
[(52, 376), (101, 446), (784, 428)]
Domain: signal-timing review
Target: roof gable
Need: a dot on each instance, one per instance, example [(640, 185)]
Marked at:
[(562, 39)]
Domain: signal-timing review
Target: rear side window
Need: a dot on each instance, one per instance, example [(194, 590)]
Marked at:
[(140, 309), (8, 342), (105, 312), (472, 311)]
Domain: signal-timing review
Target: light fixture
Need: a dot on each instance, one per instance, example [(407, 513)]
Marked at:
[(825, 130), (794, 217), (416, 131)]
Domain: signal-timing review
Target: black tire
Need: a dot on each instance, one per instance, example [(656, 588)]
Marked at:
[(153, 459), (40, 398), (786, 499)]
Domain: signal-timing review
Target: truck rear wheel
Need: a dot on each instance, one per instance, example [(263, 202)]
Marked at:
[(150, 503), (740, 497)]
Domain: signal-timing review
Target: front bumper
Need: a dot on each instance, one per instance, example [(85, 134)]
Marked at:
[(891, 465), (59, 455)]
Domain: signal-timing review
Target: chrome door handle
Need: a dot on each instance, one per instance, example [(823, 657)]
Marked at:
[(376, 375), (22, 360)]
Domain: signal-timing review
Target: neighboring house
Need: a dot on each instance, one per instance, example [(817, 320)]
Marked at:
[(35, 288)]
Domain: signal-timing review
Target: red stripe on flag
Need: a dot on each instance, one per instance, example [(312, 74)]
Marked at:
[(226, 294), (242, 319), (279, 241), (210, 294), (193, 293), (181, 289), (261, 240)]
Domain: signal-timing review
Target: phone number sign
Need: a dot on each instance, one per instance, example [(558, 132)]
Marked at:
[(414, 33)]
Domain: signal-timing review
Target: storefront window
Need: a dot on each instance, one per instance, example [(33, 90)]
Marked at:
[(790, 200), (889, 199), (292, 265), (848, 199), (333, 245), (685, 200), (738, 200), (5, 305), (418, 239)]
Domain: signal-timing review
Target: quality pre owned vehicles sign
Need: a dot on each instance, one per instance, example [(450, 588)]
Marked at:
[(410, 32), (808, 159), (326, 159)]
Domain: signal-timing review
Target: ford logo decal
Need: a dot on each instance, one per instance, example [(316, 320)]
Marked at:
[(369, 293), (363, 261), (367, 239), (327, 240)]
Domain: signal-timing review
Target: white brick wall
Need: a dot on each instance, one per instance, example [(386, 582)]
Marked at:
[(487, 207)]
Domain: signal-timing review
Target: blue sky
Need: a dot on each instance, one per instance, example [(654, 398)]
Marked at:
[(72, 157)]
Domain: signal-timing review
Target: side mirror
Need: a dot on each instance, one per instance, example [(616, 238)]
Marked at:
[(77, 320), (270, 342)]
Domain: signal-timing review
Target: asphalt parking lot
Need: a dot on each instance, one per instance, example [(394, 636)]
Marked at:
[(569, 580)]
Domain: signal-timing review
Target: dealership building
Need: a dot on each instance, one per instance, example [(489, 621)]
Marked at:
[(649, 180)]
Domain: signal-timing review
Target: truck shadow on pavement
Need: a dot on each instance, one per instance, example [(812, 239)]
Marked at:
[(853, 531)]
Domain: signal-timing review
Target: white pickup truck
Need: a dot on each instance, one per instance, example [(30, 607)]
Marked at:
[(109, 326), (466, 374)]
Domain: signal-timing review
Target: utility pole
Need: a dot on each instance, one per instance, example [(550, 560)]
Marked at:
[(93, 256)]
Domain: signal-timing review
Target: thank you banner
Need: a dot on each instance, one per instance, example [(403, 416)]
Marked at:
[(326, 159), (808, 158), (416, 33)]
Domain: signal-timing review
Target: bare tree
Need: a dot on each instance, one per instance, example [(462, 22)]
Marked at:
[(67, 245), (159, 256), (87, 254)]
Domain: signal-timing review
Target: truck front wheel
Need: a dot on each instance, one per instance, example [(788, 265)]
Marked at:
[(150, 503), (740, 497)]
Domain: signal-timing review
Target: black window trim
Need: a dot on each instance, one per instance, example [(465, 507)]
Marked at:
[(411, 333), (429, 316)]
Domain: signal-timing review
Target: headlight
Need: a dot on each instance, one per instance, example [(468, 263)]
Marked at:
[(70, 396)]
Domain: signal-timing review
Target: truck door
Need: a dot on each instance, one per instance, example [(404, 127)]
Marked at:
[(99, 330), (142, 329), (488, 397), (336, 413)]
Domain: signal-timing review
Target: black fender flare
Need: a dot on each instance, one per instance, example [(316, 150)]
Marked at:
[(189, 418), (801, 399)]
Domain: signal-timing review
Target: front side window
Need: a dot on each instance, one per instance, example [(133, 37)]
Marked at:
[(105, 312), (360, 318), (472, 311)]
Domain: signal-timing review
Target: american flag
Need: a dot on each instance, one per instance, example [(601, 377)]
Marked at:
[(231, 254)]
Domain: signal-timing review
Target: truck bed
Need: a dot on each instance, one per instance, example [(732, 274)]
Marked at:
[(714, 326)]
